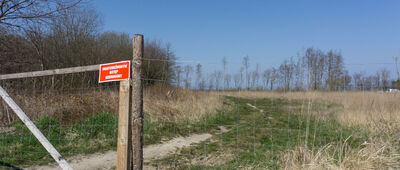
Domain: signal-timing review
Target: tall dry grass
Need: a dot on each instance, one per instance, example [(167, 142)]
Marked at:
[(374, 155), (376, 112), (176, 103), (160, 102)]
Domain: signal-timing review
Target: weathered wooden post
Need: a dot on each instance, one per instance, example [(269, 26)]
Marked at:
[(136, 119), (123, 161)]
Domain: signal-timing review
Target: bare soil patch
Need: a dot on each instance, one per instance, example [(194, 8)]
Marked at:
[(107, 160)]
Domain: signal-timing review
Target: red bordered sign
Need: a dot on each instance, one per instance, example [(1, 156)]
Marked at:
[(115, 71)]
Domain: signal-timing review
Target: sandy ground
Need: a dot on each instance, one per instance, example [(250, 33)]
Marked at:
[(107, 160)]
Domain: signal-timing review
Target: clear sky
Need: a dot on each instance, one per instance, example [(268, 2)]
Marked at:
[(366, 31)]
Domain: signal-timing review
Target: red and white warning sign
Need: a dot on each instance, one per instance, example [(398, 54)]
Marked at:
[(114, 71)]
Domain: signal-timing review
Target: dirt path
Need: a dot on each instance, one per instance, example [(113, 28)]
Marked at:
[(107, 160)]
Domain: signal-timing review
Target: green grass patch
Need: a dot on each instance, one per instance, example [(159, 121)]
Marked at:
[(98, 133), (257, 139)]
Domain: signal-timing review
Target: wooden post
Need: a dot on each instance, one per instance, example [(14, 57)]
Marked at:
[(137, 104), (123, 125)]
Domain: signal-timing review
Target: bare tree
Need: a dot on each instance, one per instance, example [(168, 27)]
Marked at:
[(158, 62), (16, 55), (188, 70), (397, 68), (67, 40), (227, 79), (315, 63), (377, 80), (178, 72), (237, 79), (211, 81), (16, 13), (218, 78), (286, 70), (273, 78), (334, 69), (241, 78), (358, 79), (266, 78), (368, 82), (385, 74), (199, 76), (224, 63), (299, 73), (254, 78), (246, 65)]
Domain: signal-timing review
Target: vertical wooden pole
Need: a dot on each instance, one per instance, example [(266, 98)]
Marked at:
[(123, 125), (137, 104)]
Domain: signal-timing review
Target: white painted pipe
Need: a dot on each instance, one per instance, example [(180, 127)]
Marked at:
[(31, 126)]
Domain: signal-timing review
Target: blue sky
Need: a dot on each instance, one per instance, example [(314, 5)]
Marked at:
[(366, 31)]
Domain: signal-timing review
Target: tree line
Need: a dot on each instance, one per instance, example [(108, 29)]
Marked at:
[(41, 35), (312, 69)]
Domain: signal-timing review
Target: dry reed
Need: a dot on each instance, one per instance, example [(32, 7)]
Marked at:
[(377, 112), (160, 102)]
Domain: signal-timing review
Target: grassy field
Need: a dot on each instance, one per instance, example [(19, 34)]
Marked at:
[(251, 130), (262, 133)]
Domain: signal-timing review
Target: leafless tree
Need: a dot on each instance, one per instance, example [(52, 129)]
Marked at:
[(315, 62), (16, 55), (358, 79), (246, 65), (227, 79), (188, 70), (266, 78), (396, 59), (273, 78), (218, 78), (178, 72), (377, 80), (114, 46), (335, 69), (224, 63), (254, 78), (385, 75), (237, 79), (158, 62), (369, 82), (299, 73), (241, 78), (199, 76), (211, 81), (17, 13), (286, 70)]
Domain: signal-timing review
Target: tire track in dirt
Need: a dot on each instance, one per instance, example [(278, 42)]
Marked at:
[(107, 159)]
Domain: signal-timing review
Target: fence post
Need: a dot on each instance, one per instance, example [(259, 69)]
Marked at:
[(123, 125), (137, 104)]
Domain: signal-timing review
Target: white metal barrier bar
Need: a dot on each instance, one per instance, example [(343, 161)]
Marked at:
[(31, 126)]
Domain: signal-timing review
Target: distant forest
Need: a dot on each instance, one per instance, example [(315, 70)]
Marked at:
[(312, 69)]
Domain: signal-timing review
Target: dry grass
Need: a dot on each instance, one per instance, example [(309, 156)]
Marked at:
[(176, 103), (376, 112), (374, 155), (160, 102), (67, 107)]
